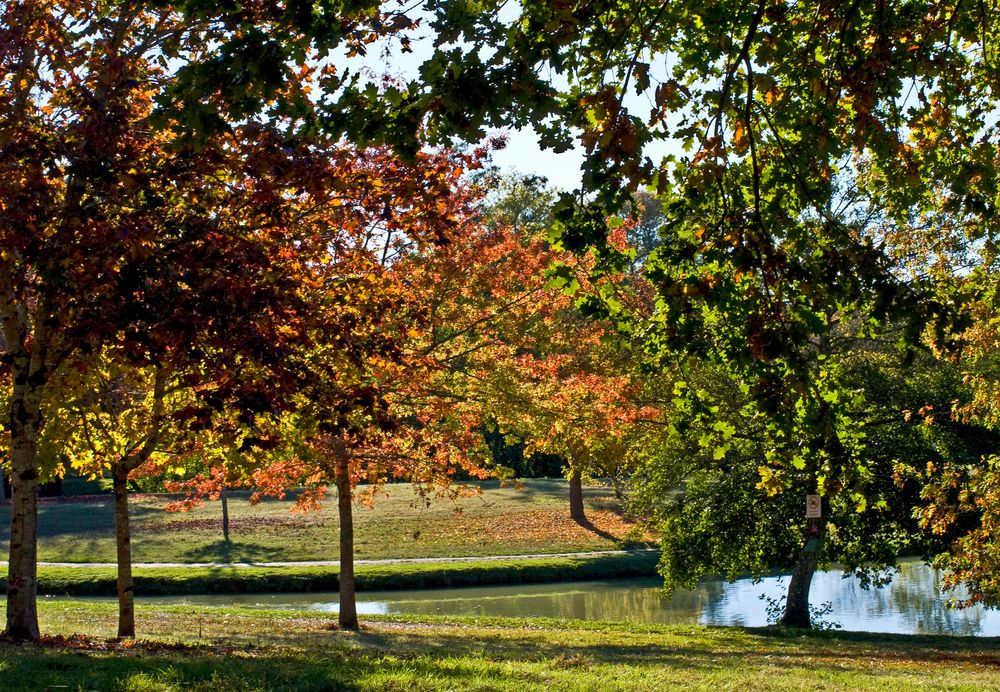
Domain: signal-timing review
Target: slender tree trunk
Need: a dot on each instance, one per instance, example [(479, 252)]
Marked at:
[(225, 512), (797, 599), (576, 495), (348, 618), (22, 574), (126, 591)]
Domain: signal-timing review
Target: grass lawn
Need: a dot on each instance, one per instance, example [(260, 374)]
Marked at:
[(500, 521), (201, 648)]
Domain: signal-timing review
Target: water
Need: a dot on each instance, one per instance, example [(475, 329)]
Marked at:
[(913, 603)]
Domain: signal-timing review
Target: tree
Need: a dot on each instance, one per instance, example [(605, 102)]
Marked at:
[(363, 410), (127, 420), (960, 499), (513, 351), (704, 493)]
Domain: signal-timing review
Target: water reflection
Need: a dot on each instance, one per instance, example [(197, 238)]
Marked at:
[(912, 603)]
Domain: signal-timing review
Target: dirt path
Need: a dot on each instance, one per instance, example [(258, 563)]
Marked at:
[(335, 563)]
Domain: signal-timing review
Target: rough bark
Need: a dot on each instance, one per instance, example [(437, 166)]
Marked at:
[(22, 574), (797, 599), (126, 590), (348, 617), (576, 511)]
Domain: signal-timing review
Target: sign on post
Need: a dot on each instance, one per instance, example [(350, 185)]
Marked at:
[(814, 507)]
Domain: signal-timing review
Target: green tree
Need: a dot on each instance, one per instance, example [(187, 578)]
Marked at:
[(701, 480)]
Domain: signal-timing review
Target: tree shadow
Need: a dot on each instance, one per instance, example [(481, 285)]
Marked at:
[(589, 526), (211, 667), (828, 651), (232, 551)]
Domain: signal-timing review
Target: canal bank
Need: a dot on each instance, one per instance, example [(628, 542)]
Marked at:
[(371, 575)]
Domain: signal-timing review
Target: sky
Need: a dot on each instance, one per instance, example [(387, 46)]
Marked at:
[(523, 155)]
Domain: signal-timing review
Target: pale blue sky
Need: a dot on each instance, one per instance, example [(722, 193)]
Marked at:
[(523, 155)]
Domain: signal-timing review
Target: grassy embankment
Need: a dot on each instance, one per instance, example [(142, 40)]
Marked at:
[(201, 648), (80, 581), (500, 521)]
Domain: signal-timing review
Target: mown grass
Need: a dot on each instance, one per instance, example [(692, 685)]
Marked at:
[(204, 648), (500, 521), (86, 581)]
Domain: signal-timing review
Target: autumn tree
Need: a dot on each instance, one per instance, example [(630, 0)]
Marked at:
[(512, 349), (960, 499), (128, 420), (363, 408)]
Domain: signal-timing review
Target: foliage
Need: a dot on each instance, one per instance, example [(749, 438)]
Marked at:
[(960, 491), (176, 263), (521, 355), (512, 456), (704, 494)]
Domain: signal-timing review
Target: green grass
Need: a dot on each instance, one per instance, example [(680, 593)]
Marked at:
[(501, 521), (85, 581), (203, 648)]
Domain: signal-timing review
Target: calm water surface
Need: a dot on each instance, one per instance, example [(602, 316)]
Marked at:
[(912, 603)]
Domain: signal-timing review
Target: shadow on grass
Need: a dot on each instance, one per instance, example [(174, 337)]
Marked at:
[(232, 551), (303, 655), (218, 670), (812, 650), (31, 668), (589, 526)]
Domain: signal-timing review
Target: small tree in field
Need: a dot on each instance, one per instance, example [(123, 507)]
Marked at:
[(522, 353), (364, 410)]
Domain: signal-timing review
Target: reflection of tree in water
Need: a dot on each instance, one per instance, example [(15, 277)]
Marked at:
[(854, 608), (638, 604), (914, 602), (632, 600), (918, 595), (715, 598)]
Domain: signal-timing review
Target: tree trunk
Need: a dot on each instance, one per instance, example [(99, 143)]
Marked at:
[(797, 600), (22, 574), (576, 495), (225, 512), (348, 618), (126, 591)]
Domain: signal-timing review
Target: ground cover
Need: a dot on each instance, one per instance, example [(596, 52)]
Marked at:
[(501, 521), (205, 648)]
